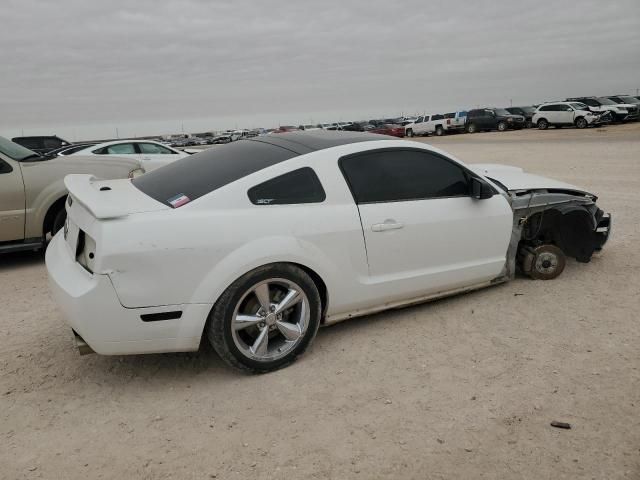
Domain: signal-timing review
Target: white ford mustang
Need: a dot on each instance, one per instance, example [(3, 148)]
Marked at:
[(258, 242)]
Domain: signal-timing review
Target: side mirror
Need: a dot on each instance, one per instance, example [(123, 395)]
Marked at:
[(480, 190)]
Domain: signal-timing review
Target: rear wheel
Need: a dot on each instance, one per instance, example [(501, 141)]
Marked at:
[(471, 128), (502, 126), (581, 123), (439, 131), (543, 124), (266, 318), (409, 132)]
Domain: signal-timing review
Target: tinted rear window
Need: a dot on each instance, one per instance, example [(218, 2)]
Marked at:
[(299, 186), (207, 171)]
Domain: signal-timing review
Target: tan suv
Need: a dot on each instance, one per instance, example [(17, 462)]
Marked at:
[(32, 192)]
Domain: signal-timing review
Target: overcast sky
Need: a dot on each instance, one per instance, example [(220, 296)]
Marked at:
[(82, 68)]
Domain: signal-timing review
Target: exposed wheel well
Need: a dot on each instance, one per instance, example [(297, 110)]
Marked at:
[(571, 230), (51, 214)]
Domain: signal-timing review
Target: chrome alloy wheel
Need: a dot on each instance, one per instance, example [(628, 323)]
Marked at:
[(270, 319)]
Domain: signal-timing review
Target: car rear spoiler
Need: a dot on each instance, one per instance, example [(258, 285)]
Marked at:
[(108, 198)]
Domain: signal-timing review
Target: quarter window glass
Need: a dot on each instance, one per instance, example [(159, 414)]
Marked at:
[(121, 149), (5, 167), (153, 149), (394, 175), (299, 186)]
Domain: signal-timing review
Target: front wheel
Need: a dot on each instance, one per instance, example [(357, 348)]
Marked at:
[(471, 128), (544, 262), (581, 123), (265, 319), (502, 126), (58, 221)]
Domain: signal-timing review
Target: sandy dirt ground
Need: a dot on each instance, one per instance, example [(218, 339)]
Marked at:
[(462, 388)]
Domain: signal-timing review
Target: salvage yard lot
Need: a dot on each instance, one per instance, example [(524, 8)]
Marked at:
[(460, 388)]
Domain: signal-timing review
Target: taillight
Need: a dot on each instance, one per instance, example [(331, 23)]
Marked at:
[(86, 251), (448, 121)]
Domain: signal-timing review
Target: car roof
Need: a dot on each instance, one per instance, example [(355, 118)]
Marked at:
[(302, 142)]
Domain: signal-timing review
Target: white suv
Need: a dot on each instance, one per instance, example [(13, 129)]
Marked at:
[(560, 114)]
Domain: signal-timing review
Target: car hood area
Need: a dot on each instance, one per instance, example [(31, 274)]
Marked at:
[(515, 178)]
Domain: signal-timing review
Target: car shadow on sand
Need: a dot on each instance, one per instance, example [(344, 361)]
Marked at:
[(16, 260)]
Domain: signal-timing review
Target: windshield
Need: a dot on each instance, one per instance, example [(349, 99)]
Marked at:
[(15, 151), (606, 101), (502, 111)]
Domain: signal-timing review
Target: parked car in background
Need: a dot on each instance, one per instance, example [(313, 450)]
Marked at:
[(526, 112), (492, 119), (32, 191), (421, 126), (282, 234), (620, 112), (563, 114), (454, 121), (392, 129), (151, 154), (41, 143), (308, 127), (628, 100), (426, 125), (69, 149)]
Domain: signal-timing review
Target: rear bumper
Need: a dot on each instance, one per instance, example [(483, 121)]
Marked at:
[(92, 309)]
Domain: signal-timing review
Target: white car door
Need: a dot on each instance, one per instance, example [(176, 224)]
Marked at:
[(423, 231), (154, 156), (564, 114)]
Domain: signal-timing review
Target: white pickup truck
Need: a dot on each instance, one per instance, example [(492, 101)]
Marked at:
[(455, 121), (426, 125)]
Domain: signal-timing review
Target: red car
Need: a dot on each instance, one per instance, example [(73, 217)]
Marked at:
[(285, 128), (389, 129)]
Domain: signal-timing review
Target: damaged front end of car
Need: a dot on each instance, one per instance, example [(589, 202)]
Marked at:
[(550, 225), (552, 220)]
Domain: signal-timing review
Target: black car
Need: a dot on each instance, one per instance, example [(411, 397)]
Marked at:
[(526, 112), (493, 119), (41, 144)]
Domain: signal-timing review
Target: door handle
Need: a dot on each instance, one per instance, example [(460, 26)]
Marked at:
[(387, 225)]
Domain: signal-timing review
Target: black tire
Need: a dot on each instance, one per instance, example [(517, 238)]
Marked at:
[(581, 123), (218, 328), (410, 132), (471, 128), (528, 124), (439, 131), (502, 126), (58, 221), (542, 124)]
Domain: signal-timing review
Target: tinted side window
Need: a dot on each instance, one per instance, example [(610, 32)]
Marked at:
[(30, 143), (299, 186), (393, 175), (437, 117), (5, 167), (545, 108)]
